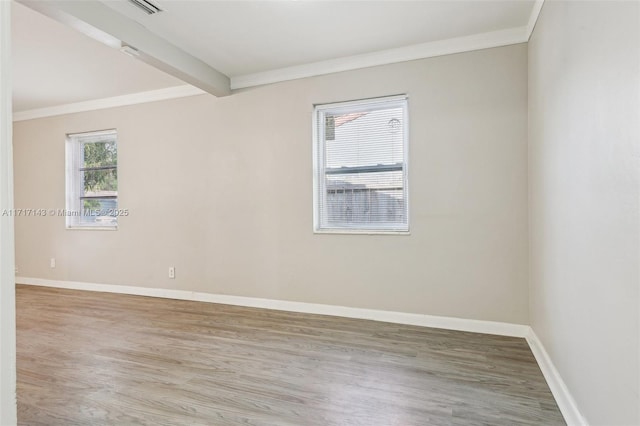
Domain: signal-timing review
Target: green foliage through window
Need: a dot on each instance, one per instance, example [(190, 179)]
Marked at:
[(100, 160), (92, 180)]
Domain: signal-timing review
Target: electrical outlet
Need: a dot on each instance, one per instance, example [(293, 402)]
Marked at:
[(16, 269), (52, 263), (172, 272)]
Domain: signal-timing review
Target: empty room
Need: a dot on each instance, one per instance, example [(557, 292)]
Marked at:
[(311, 212)]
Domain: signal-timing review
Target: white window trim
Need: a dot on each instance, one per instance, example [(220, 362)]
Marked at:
[(318, 160), (70, 183)]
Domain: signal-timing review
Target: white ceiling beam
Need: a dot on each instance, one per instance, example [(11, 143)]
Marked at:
[(104, 24)]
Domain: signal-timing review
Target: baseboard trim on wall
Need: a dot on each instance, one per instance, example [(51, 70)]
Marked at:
[(449, 323), (561, 393), (565, 401)]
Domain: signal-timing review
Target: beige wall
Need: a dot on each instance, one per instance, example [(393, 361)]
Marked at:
[(222, 189), (584, 76)]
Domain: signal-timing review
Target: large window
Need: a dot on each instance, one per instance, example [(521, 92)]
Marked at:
[(360, 156), (92, 180)]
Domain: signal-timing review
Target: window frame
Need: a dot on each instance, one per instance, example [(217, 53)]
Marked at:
[(74, 186), (319, 164)]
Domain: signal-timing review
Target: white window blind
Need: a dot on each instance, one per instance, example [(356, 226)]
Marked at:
[(361, 166), (92, 180)]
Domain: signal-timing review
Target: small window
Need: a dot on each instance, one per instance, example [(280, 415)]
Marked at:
[(360, 175), (92, 180)]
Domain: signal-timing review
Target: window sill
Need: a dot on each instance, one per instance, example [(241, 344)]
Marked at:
[(92, 228), (359, 232)]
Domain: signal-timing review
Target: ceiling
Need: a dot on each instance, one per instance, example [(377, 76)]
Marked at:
[(54, 64), (245, 37)]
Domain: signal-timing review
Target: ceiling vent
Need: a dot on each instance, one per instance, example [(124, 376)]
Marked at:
[(146, 6)]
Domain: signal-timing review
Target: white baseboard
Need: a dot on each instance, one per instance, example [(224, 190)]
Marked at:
[(565, 401), (561, 393), (449, 323)]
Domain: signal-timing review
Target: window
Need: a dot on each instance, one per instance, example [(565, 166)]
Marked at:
[(92, 180), (360, 175)]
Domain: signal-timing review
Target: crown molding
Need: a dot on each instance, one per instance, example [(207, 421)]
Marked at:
[(481, 41), (533, 18), (391, 56), (116, 101)]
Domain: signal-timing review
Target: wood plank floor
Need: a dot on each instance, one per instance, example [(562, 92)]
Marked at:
[(89, 358)]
